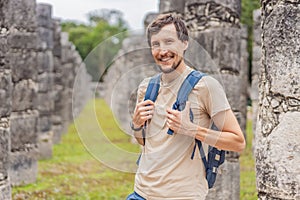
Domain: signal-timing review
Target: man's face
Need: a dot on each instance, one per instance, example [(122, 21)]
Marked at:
[(167, 49)]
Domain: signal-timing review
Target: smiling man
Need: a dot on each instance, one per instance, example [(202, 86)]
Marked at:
[(167, 169)]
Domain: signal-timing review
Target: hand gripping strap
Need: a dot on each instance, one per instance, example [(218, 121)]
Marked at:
[(151, 94), (188, 84)]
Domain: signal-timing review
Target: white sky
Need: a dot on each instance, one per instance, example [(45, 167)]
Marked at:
[(134, 11)]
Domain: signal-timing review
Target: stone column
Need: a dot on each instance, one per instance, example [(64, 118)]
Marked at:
[(176, 6), (23, 43), (68, 72), (45, 80), (5, 102), (131, 65), (82, 89), (277, 149), (215, 26), (256, 65), (59, 97)]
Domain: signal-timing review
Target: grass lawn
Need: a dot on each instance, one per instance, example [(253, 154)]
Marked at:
[(73, 173)]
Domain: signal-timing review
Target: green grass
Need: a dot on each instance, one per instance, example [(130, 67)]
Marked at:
[(75, 172), (247, 172)]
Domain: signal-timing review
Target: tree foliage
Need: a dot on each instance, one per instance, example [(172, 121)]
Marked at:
[(248, 6), (97, 40)]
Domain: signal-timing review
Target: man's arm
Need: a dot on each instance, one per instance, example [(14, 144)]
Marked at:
[(229, 138)]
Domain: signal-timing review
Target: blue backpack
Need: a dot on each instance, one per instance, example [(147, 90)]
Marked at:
[(215, 156)]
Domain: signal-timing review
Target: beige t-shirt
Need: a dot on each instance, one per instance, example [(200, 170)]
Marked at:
[(166, 170)]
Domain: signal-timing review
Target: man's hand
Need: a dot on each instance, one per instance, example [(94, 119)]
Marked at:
[(142, 112), (179, 121)]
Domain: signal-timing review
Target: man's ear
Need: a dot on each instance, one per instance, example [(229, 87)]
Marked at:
[(186, 44)]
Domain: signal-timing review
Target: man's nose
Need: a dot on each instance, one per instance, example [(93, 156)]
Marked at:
[(163, 51)]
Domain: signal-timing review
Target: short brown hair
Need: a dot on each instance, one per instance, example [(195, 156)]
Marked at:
[(166, 19)]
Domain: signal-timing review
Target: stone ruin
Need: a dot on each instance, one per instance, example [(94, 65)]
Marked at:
[(38, 64), (215, 26), (38, 67), (256, 65), (277, 138)]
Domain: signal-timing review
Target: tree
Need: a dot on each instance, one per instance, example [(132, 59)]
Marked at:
[(97, 36)]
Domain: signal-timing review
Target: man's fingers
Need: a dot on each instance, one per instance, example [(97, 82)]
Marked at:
[(148, 112), (145, 108), (146, 117), (147, 102)]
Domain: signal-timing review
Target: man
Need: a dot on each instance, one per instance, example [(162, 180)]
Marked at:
[(166, 170)]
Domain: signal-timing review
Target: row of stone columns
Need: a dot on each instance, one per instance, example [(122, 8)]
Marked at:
[(38, 68)]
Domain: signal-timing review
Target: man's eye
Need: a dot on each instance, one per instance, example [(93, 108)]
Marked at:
[(169, 41), (155, 45)]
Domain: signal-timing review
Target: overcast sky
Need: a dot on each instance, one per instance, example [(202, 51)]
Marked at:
[(134, 10)]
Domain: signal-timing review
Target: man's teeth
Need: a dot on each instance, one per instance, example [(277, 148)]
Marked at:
[(165, 59)]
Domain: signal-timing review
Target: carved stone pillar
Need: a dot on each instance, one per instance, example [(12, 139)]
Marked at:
[(5, 102), (277, 149), (215, 26), (24, 43)]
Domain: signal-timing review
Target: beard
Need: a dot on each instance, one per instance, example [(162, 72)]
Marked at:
[(173, 68)]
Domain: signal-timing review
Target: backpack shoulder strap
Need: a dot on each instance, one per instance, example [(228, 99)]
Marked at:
[(151, 94), (185, 89), (153, 88)]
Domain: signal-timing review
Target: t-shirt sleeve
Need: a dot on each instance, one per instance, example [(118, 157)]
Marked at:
[(212, 96)]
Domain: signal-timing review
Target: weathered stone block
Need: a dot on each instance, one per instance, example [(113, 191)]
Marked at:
[(149, 18), (45, 103), (3, 45), (23, 167), (171, 6), (233, 5), (256, 68), (278, 158), (222, 45), (56, 38), (46, 37), (57, 65), (5, 13), (20, 40), (57, 50), (68, 75), (45, 145), (45, 62), (256, 53), (5, 190), (231, 84), (5, 93), (227, 185), (45, 82), (23, 14), (44, 123), (23, 130), (257, 26), (281, 41), (23, 65), (44, 15), (56, 119), (4, 150), (57, 133), (66, 55), (24, 95)]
